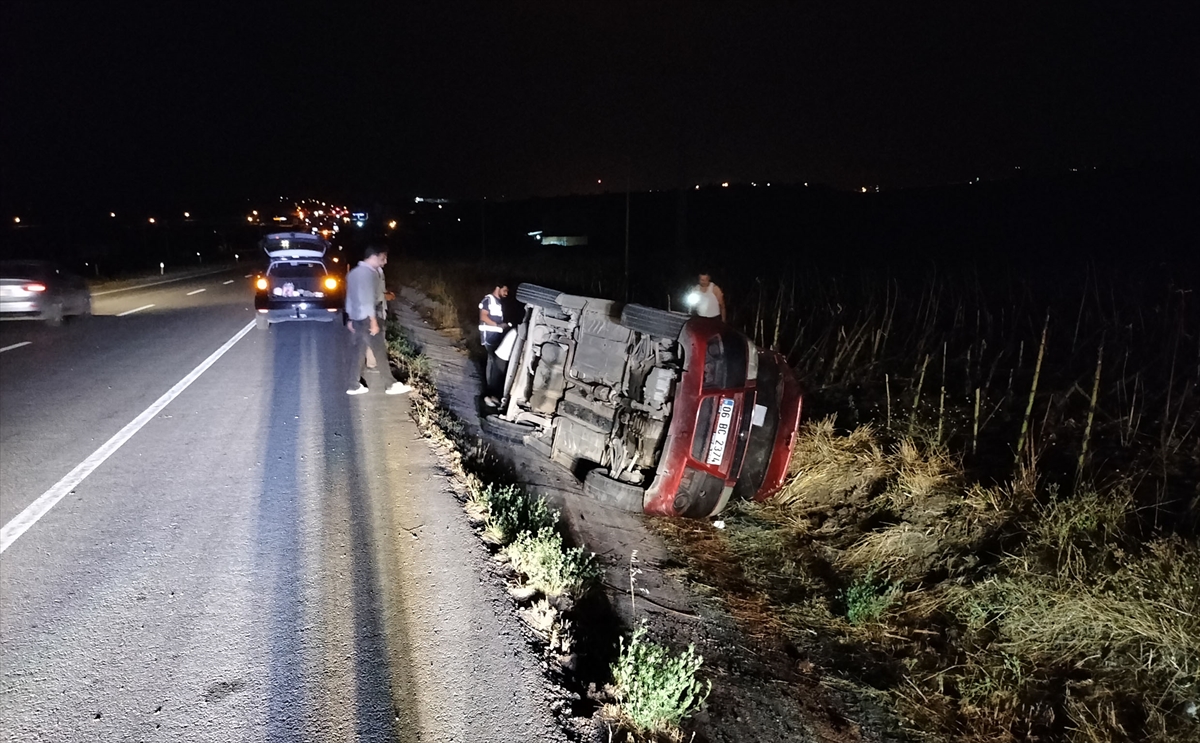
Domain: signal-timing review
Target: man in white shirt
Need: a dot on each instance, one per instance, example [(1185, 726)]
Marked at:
[(706, 298), (366, 329)]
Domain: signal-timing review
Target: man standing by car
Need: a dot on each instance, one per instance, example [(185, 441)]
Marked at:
[(366, 329), (382, 297), (706, 298), (491, 333)]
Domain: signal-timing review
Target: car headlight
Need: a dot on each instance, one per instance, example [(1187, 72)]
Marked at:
[(261, 284), (330, 283)]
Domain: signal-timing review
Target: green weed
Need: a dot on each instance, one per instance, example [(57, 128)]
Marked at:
[(868, 598), (549, 568), (510, 512), (655, 688)]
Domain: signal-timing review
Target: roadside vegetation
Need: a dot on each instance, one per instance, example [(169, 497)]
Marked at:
[(991, 520)]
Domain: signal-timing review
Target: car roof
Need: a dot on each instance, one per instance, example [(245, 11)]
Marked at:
[(36, 268), (292, 245)]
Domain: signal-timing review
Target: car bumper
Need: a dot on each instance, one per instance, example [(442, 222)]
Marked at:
[(310, 310), (20, 309)]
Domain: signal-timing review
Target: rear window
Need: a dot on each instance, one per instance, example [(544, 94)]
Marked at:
[(296, 270), (23, 270), (725, 362), (704, 423)]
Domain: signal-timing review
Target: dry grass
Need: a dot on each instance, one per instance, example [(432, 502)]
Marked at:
[(826, 465), (1067, 627)]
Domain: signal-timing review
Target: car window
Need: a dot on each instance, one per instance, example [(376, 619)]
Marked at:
[(725, 362), (23, 270), (704, 423), (295, 270)]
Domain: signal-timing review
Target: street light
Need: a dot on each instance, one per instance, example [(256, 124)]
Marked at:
[(151, 220), (187, 215), (16, 220), (112, 214)]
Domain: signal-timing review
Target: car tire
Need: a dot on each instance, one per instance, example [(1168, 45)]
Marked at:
[(53, 315), (652, 321), (538, 296), (501, 430), (261, 321), (598, 486)]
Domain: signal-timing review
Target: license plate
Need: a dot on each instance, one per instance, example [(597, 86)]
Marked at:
[(716, 447)]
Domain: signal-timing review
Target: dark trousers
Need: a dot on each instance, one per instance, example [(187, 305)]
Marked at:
[(360, 339), (494, 371)]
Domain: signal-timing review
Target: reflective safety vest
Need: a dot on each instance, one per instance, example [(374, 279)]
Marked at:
[(495, 311)]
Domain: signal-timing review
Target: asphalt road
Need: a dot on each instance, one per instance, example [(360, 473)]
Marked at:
[(265, 559)]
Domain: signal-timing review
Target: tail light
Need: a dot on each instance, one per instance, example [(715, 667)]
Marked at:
[(261, 284), (330, 283), (34, 287)]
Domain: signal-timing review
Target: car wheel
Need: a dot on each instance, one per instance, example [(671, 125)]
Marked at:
[(53, 315), (538, 296), (261, 321), (507, 431), (652, 321), (598, 486)]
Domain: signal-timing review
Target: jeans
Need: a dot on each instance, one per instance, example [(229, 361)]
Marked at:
[(494, 372), (360, 340)]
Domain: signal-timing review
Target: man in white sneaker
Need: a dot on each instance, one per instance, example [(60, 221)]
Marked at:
[(366, 329)]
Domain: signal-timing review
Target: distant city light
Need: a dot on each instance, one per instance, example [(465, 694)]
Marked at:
[(599, 181), (864, 189), (112, 214), (151, 220), (392, 225), (254, 212), (16, 220), (187, 215), (725, 184)]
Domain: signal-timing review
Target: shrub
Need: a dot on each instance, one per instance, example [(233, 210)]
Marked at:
[(655, 689), (551, 569), (510, 511), (868, 598), (405, 354)]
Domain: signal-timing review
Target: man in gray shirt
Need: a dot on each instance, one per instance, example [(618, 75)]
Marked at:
[(366, 329)]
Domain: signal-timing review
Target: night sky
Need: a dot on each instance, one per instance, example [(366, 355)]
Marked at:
[(119, 101)]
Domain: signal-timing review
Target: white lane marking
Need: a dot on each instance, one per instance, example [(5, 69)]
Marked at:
[(40, 507), (15, 345), (249, 275), (156, 283), (135, 309), (226, 283), (196, 292)]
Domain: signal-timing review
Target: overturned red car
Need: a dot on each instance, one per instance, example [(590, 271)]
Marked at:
[(656, 411)]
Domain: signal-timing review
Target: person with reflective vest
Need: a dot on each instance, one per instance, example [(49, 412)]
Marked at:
[(491, 332)]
